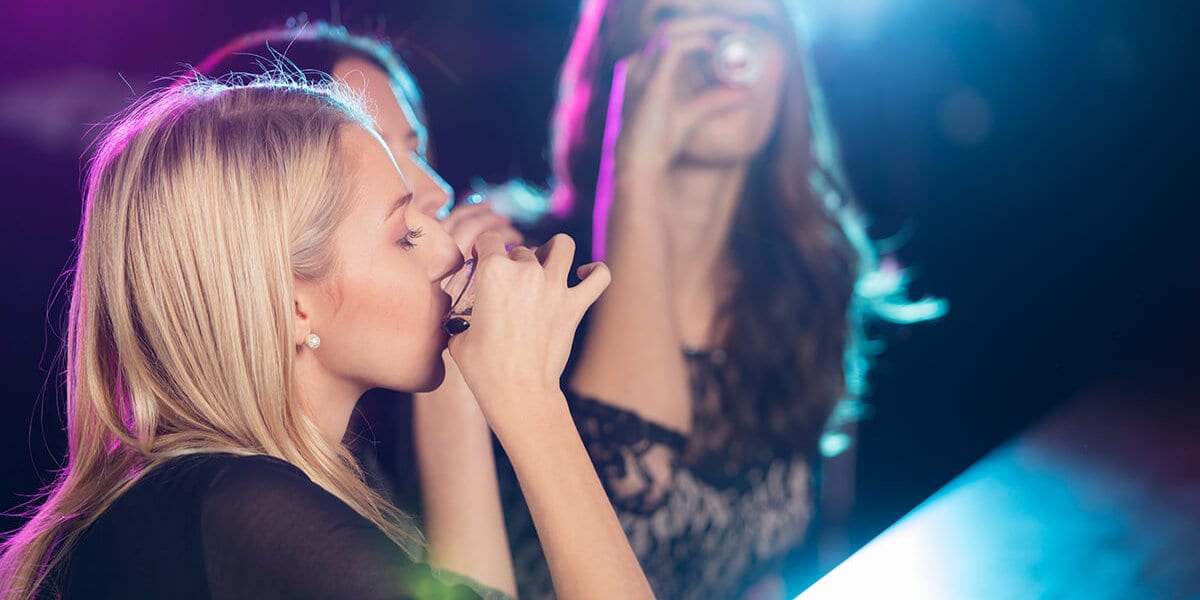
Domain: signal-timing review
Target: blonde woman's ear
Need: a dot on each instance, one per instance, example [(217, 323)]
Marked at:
[(302, 322)]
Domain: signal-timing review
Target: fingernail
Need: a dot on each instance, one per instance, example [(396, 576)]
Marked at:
[(456, 325)]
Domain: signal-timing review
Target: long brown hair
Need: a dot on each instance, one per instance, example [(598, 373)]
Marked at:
[(806, 273)]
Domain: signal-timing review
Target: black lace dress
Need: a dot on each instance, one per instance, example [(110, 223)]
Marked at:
[(708, 515)]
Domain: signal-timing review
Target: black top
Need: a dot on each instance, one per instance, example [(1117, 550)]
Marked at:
[(222, 526), (704, 520)]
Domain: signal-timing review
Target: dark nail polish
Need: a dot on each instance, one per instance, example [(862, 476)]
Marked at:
[(456, 325)]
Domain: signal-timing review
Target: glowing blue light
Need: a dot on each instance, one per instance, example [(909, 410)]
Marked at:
[(833, 444), (1022, 523), (853, 19)]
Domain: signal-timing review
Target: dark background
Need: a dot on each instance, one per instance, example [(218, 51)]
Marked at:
[(1036, 156)]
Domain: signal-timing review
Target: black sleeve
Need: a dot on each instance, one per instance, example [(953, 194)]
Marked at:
[(269, 532)]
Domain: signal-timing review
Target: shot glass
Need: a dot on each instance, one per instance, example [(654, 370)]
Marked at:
[(737, 60), (461, 288)]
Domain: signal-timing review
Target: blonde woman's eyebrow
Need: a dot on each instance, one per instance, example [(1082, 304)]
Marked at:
[(398, 204)]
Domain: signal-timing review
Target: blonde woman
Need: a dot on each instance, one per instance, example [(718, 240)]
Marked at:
[(456, 482), (250, 261)]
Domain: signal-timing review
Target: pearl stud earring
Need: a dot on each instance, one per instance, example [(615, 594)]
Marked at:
[(313, 341)]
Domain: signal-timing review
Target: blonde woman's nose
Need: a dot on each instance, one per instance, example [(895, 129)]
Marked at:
[(447, 256)]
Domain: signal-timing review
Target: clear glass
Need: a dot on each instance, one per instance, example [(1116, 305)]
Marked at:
[(461, 288), (737, 60)]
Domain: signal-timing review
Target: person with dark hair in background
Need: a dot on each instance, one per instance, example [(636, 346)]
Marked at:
[(693, 153)]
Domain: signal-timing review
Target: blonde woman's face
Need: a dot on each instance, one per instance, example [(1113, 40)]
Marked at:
[(380, 321), (396, 122)]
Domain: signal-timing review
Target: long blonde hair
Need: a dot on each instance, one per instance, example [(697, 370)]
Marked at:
[(203, 203)]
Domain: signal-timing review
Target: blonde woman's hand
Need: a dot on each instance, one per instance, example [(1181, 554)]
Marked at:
[(522, 324), (465, 223)]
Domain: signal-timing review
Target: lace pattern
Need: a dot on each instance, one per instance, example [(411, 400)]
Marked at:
[(708, 514)]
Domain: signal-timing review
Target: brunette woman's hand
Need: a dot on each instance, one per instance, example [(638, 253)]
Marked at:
[(654, 105), (522, 325)]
